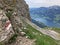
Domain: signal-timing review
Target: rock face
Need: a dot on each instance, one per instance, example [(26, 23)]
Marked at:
[(16, 10), (14, 14), (6, 30), (19, 5), (22, 8)]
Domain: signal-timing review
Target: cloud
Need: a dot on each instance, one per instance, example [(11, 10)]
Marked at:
[(42, 3)]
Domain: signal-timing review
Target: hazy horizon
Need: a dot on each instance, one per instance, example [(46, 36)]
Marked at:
[(42, 3)]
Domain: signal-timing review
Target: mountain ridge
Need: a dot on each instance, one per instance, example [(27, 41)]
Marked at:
[(51, 14)]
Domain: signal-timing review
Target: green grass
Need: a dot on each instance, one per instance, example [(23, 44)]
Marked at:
[(40, 39)]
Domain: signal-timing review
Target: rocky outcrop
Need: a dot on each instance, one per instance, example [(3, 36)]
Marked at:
[(14, 14), (22, 8), (16, 11), (19, 5), (6, 30)]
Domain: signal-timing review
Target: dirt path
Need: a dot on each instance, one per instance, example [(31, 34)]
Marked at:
[(51, 33)]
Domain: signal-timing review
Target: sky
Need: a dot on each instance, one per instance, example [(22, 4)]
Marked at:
[(42, 3)]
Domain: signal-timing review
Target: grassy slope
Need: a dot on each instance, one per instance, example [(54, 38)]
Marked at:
[(41, 39)]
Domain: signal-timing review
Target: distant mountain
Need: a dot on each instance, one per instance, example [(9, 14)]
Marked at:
[(50, 14), (40, 24)]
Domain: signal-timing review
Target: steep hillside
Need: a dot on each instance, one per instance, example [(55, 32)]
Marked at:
[(16, 27), (12, 16)]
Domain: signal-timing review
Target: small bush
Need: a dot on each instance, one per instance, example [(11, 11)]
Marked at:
[(8, 14)]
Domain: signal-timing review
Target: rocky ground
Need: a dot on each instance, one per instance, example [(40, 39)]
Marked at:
[(23, 41)]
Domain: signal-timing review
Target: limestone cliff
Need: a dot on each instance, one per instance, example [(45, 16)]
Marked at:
[(16, 11), (6, 30), (19, 5)]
